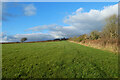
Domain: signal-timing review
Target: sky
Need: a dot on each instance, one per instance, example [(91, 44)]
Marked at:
[(40, 21)]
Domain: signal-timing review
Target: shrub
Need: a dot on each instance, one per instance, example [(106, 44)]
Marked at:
[(23, 39)]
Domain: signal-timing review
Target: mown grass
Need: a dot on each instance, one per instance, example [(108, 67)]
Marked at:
[(57, 60)]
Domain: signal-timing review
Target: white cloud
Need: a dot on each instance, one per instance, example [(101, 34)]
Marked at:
[(79, 10), (29, 10), (92, 20), (79, 23), (56, 30), (30, 37), (43, 27)]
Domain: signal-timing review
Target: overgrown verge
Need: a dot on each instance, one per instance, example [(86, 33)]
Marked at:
[(100, 44)]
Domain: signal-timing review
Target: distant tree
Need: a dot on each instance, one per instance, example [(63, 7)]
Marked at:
[(23, 39), (74, 38), (70, 38), (82, 37), (63, 38)]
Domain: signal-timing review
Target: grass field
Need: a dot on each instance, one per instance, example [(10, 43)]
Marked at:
[(57, 60)]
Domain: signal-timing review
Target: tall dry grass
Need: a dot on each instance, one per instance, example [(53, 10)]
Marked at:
[(104, 44)]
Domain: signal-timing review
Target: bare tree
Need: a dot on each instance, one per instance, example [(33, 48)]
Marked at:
[(111, 28)]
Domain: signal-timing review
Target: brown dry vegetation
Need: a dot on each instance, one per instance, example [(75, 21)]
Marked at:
[(101, 44), (104, 44)]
